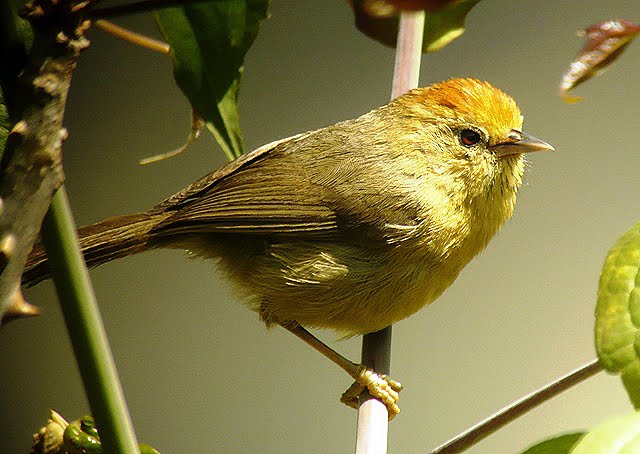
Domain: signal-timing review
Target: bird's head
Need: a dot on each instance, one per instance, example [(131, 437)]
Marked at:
[(474, 116), (472, 134)]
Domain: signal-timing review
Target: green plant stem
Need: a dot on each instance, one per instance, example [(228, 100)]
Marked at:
[(85, 328)]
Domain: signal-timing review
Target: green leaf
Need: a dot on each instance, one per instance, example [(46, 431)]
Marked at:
[(16, 37), (557, 445), (146, 449), (442, 25), (209, 42), (618, 312), (617, 436)]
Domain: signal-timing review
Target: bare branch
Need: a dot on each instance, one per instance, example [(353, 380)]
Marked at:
[(132, 37), (503, 417)]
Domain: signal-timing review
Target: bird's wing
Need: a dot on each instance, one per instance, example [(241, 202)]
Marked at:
[(309, 186), (253, 195)]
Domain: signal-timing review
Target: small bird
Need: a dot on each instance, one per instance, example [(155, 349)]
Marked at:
[(351, 227)]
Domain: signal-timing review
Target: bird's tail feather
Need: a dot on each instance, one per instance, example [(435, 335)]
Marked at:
[(100, 243)]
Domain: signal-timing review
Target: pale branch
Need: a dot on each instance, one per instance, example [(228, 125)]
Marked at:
[(373, 425)]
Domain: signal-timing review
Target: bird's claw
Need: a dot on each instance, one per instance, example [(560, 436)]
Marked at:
[(379, 386)]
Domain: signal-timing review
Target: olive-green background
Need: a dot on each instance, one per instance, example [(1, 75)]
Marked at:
[(200, 372)]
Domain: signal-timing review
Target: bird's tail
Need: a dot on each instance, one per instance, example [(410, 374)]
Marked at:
[(100, 243)]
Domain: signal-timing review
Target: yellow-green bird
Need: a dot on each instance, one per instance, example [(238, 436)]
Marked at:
[(351, 227)]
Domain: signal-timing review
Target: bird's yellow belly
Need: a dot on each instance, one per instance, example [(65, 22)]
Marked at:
[(359, 300)]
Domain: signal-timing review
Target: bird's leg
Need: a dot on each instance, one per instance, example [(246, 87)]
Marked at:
[(379, 386)]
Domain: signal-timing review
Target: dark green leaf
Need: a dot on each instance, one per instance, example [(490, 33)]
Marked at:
[(617, 436), (442, 25), (618, 312), (209, 42), (15, 38), (556, 445)]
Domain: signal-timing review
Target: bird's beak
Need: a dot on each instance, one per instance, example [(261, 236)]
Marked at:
[(518, 142)]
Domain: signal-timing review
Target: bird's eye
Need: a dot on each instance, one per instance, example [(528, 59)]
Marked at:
[(469, 137)]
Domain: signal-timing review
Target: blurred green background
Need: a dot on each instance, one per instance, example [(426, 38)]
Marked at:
[(200, 372)]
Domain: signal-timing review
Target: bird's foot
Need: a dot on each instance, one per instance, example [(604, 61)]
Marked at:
[(379, 386)]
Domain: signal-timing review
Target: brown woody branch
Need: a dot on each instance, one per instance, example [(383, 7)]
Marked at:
[(486, 427), (33, 152)]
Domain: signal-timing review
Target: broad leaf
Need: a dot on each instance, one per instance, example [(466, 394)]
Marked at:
[(557, 445), (444, 20), (618, 312), (618, 436), (209, 42)]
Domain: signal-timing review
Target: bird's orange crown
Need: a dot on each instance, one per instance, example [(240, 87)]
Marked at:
[(468, 100)]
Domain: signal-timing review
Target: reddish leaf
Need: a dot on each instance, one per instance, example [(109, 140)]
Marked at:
[(605, 42), (382, 5), (444, 20)]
